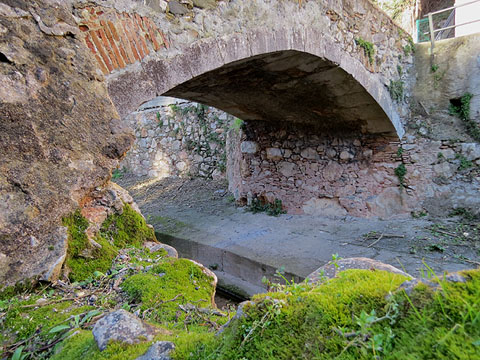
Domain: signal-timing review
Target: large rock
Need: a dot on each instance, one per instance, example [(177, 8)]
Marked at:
[(330, 270), (123, 327), (61, 135)]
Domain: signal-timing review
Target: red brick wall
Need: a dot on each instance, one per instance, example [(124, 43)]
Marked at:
[(118, 39)]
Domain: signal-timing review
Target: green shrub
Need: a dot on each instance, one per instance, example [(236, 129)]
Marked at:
[(400, 172), (367, 47)]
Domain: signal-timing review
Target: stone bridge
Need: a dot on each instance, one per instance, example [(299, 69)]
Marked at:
[(258, 60), (265, 60)]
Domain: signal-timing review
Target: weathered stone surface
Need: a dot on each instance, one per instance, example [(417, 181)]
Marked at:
[(238, 315), (124, 327), (159, 350), (287, 169), (457, 61), (205, 4), (471, 151), (324, 207), (211, 274), (249, 147), (153, 246), (331, 269), (177, 8), (61, 135), (274, 154)]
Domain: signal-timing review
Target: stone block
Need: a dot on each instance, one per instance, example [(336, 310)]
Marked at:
[(274, 154), (248, 147)]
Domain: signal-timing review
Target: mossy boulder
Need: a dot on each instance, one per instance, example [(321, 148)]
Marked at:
[(358, 315), (121, 229)]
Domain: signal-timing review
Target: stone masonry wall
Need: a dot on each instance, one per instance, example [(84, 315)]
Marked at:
[(315, 173), (342, 174), (177, 138)]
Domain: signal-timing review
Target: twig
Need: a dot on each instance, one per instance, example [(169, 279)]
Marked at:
[(471, 261), (178, 189), (376, 241), (348, 335), (394, 236), (171, 300), (13, 347), (444, 232), (48, 346), (59, 300)]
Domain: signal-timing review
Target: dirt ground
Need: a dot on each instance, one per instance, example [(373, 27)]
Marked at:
[(203, 211)]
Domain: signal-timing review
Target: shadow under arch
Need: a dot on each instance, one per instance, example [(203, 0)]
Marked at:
[(288, 75)]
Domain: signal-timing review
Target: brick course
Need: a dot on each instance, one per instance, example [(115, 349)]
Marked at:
[(119, 39)]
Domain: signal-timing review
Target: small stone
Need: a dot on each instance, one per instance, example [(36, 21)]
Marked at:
[(274, 154), (205, 4), (248, 147), (41, 301), (176, 8), (159, 350), (287, 169), (345, 155), (123, 327), (181, 166), (331, 153), (92, 299), (309, 153), (368, 153)]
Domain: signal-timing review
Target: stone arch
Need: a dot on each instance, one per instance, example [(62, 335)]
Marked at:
[(206, 58)]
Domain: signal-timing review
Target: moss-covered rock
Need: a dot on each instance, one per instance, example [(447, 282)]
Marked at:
[(78, 265), (118, 231), (127, 229), (82, 345), (352, 317), (171, 283)]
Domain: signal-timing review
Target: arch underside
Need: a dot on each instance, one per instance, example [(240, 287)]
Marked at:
[(289, 86)]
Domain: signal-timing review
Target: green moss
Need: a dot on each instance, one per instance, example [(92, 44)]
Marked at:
[(172, 278), (367, 47), (351, 317), (118, 231), (82, 345), (20, 287), (443, 325), (128, 228), (400, 172), (302, 317), (20, 323), (396, 90), (82, 266)]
